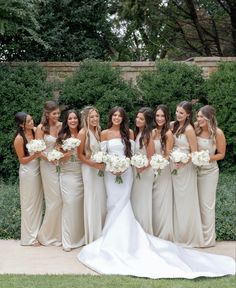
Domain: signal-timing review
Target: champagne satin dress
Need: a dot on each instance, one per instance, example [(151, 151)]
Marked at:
[(162, 201), (141, 196), (187, 219), (31, 199), (207, 179), (72, 190), (50, 231), (94, 197)]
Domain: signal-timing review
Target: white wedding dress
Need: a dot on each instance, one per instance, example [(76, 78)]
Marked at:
[(125, 249)]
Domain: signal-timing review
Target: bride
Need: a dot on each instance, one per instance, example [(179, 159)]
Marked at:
[(124, 248)]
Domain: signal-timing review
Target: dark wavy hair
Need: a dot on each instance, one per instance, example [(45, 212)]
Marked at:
[(166, 126), (20, 119), (187, 106), (49, 106), (65, 133), (147, 131), (124, 128)]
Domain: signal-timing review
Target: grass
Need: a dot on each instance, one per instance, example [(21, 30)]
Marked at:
[(72, 281)]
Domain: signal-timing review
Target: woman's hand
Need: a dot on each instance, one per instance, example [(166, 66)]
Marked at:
[(99, 166), (140, 170)]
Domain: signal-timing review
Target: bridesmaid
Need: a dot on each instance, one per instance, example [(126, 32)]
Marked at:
[(72, 189), (94, 189), (50, 231), (211, 138), (187, 218), (162, 194), (141, 196), (31, 194)]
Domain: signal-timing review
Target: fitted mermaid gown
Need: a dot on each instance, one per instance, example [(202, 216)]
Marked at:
[(125, 249)]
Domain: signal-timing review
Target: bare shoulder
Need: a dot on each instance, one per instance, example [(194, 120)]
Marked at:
[(154, 132), (189, 129), (39, 127), (82, 132), (219, 132), (169, 133), (172, 124), (131, 134), (18, 140), (104, 134)]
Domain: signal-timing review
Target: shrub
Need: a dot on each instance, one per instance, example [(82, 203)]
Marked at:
[(171, 83), (96, 83), (221, 94), (23, 88)]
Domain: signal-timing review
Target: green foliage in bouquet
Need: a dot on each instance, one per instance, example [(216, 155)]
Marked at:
[(97, 83), (23, 88), (221, 94)]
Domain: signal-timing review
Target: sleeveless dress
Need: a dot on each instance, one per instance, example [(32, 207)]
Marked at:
[(162, 201), (125, 249), (187, 219), (72, 191), (94, 197), (141, 196), (50, 231), (31, 200), (207, 179)]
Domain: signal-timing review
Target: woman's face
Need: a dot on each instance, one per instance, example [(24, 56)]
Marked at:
[(181, 114), (140, 121), (72, 121), (54, 115), (93, 118), (160, 118), (29, 123), (116, 118), (202, 122)]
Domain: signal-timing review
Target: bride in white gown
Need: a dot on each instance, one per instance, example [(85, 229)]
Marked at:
[(124, 248)]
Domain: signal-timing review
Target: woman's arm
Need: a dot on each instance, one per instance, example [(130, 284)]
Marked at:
[(169, 144), (192, 139), (19, 148), (220, 146)]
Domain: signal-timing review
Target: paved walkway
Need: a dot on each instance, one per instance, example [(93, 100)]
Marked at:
[(17, 259)]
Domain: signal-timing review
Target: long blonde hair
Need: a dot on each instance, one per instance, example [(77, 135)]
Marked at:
[(85, 113), (209, 115)]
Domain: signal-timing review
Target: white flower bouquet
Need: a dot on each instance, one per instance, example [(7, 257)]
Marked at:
[(200, 158), (139, 161), (117, 164), (55, 155), (177, 156), (35, 146), (158, 163), (70, 144), (99, 157)]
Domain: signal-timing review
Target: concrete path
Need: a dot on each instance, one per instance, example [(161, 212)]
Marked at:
[(17, 259)]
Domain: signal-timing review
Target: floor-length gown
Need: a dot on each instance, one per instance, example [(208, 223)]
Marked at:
[(162, 201), (186, 218), (94, 197), (125, 249), (31, 199), (207, 179), (72, 190), (50, 231), (141, 196)]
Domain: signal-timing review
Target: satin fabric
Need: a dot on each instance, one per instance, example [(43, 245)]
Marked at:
[(125, 249), (31, 200), (162, 201), (207, 179)]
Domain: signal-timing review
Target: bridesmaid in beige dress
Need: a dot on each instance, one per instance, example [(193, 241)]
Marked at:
[(31, 194), (50, 231), (211, 138), (72, 188), (94, 189), (187, 218), (141, 195), (162, 195)]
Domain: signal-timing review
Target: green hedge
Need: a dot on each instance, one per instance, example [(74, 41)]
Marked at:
[(23, 88), (225, 209)]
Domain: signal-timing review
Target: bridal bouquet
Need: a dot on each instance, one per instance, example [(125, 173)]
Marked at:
[(178, 156), (158, 162), (35, 146), (99, 157), (55, 155), (117, 164), (70, 144), (200, 158), (139, 161)]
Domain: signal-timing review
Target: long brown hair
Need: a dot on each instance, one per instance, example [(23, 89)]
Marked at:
[(166, 126), (49, 106), (124, 129), (187, 106)]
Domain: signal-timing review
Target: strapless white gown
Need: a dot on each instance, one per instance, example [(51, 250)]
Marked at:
[(125, 249)]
